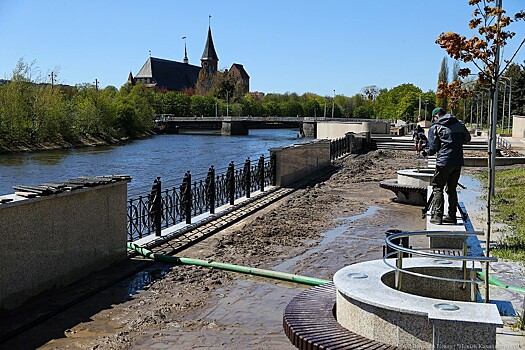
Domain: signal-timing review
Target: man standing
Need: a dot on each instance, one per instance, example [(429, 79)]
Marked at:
[(446, 138)]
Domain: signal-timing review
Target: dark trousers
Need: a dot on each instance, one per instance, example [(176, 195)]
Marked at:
[(445, 178)]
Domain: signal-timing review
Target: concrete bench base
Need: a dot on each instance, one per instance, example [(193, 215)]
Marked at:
[(367, 306)]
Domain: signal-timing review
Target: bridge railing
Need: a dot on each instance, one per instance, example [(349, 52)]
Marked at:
[(162, 208)]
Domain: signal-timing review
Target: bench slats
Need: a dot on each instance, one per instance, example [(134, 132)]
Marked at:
[(309, 322)]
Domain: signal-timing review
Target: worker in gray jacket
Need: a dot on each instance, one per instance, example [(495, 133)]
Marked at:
[(445, 139)]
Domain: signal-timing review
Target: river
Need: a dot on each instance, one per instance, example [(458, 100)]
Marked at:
[(167, 156)]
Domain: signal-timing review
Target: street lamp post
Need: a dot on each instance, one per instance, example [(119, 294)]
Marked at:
[(333, 105), (510, 99), (227, 103), (426, 104)]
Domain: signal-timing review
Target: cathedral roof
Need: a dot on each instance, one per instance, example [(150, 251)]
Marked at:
[(172, 75)]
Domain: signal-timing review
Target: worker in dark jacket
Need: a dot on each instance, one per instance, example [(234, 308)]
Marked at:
[(445, 139)]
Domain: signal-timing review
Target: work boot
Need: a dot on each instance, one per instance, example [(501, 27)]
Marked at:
[(450, 220), (436, 219)]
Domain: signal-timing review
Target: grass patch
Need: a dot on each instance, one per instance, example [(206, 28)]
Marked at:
[(509, 208)]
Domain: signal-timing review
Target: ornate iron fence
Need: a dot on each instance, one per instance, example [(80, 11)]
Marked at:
[(340, 147), (163, 208)]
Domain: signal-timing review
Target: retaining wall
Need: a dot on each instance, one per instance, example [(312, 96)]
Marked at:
[(518, 126), (55, 240), (299, 161), (335, 130)]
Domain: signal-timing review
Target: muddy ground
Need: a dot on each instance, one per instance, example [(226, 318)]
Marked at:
[(314, 232)]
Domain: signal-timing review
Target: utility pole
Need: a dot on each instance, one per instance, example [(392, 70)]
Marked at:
[(333, 105), (96, 84), (53, 76)]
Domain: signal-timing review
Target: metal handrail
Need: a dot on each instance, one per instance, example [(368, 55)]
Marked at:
[(400, 250), (501, 142), (436, 255)]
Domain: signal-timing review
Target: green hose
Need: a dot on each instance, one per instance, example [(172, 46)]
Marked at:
[(229, 267), (496, 282)]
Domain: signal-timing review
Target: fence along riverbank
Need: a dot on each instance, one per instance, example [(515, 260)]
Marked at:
[(96, 210), (162, 208)]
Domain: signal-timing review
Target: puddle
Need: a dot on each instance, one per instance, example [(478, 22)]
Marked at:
[(328, 237), (143, 279), (472, 195)]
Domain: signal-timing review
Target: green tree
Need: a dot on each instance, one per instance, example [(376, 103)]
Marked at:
[(371, 92), (272, 108), (399, 102), (443, 79), (202, 106), (312, 109), (363, 112), (250, 106), (291, 108)]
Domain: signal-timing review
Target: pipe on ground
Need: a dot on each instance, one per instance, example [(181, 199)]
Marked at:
[(312, 281)]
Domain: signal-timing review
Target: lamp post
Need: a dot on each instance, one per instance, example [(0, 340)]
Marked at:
[(333, 105), (426, 104), (510, 99), (227, 103)]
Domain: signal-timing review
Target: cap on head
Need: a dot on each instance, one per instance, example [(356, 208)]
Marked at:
[(438, 110)]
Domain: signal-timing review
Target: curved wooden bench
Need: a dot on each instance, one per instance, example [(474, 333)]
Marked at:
[(309, 322)]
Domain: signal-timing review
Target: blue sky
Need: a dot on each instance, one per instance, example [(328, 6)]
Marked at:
[(285, 45)]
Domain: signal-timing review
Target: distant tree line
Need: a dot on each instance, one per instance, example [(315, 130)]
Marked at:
[(33, 111)]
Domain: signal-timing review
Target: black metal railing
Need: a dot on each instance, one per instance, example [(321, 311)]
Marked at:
[(340, 147), (162, 208)]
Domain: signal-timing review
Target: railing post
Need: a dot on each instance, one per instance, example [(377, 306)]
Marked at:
[(465, 252), (186, 196), (273, 169), (473, 283), (210, 189), (247, 177), (230, 181), (155, 206), (399, 265), (261, 173)]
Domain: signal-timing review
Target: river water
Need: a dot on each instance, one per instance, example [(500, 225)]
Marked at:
[(167, 156)]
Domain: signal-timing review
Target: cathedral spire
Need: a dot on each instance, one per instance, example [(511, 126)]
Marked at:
[(209, 57), (185, 52)]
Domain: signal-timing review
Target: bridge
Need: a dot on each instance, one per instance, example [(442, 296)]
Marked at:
[(240, 125)]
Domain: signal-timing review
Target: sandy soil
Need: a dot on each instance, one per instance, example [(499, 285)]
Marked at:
[(313, 232)]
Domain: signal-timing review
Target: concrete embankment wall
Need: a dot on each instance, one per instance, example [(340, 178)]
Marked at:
[(55, 240), (500, 161), (518, 126), (335, 130), (299, 161)]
